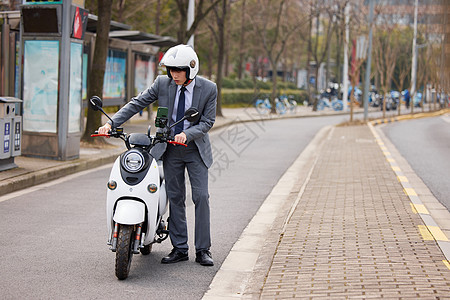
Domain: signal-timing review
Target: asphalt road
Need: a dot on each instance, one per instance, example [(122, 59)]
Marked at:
[(425, 144), (54, 235)]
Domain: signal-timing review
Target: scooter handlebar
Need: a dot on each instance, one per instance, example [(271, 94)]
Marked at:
[(116, 132), (110, 134), (96, 134), (176, 143)]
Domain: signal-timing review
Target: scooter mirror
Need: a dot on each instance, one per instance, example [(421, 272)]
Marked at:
[(96, 103), (192, 115)]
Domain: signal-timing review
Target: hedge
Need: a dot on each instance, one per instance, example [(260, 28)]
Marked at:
[(242, 91), (249, 83), (248, 96)]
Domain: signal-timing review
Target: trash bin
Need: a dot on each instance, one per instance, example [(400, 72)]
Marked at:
[(10, 131)]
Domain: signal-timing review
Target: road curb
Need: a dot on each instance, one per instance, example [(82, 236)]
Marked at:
[(45, 175), (409, 117)]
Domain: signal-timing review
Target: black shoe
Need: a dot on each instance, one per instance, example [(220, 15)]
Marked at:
[(175, 256), (204, 258)]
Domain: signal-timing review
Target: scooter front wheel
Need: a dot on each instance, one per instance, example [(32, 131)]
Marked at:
[(146, 250), (124, 252)]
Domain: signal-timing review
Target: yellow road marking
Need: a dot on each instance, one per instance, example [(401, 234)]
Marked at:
[(402, 178), (437, 233), (386, 153), (426, 235), (414, 210), (446, 263), (390, 160), (410, 192), (395, 168), (421, 209)]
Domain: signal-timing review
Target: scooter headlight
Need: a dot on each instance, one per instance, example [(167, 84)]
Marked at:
[(133, 161)]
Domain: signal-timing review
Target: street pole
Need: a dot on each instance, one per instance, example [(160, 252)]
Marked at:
[(369, 62), (190, 20), (345, 75), (414, 59)]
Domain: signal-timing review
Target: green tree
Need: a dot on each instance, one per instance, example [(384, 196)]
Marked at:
[(272, 24), (219, 35), (201, 11), (96, 76), (402, 71)]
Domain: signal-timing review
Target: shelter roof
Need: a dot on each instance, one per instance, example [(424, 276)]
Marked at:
[(123, 31)]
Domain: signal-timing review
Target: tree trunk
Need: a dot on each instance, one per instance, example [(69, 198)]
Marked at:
[(210, 58), (327, 74), (316, 99), (227, 40), (158, 12), (308, 71), (96, 76), (274, 86), (339, 38), (221, 55), (120, 10), (242, 43), (182, 32)]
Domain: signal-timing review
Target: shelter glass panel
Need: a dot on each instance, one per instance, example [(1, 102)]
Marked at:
[(76, 51), (40, 85), (115, 74)]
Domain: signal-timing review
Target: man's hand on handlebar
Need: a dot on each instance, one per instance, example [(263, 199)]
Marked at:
[(180, 138), (104, 129)]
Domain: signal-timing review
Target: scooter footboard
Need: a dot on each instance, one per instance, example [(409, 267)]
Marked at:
[(129, 212)]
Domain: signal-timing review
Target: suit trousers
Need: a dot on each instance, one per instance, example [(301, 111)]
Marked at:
[(177, 159)]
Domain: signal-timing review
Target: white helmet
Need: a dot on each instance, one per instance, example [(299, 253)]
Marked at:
[(181, 57)]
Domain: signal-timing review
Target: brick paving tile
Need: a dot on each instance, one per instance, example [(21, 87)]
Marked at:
[(353, 234)]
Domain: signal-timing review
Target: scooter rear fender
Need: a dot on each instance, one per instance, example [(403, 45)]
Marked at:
[(129, 212)]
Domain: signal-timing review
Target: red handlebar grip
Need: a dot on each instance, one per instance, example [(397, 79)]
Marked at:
[(96, 134), (176, 143)]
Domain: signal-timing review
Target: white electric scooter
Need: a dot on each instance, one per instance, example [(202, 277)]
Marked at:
[(136, 198)]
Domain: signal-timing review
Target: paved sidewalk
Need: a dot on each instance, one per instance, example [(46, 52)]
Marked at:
[(353, 233)]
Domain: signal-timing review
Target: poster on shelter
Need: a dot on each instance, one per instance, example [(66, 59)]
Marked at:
[(40, 86), (115, 72), (85, 73), (76, 51), (144, 72)]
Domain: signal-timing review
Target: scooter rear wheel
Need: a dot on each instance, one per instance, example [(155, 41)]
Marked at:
[(124, 252)]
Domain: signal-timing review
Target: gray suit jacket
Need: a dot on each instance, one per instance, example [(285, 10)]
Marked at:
[(164, 90)]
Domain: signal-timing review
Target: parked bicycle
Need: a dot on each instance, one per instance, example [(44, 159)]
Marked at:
[(289, 103), (375, 99), (392, 100), (282, 105), (263, 106), (325, 102)]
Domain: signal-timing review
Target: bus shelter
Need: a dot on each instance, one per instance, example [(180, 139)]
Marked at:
[(46, 53)]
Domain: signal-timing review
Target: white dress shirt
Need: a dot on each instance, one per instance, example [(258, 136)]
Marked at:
[(188, 93)]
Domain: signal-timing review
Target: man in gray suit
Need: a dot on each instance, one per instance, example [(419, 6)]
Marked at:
[(179, 90)]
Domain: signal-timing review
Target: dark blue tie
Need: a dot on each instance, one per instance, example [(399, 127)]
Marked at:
[(180, 111)]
